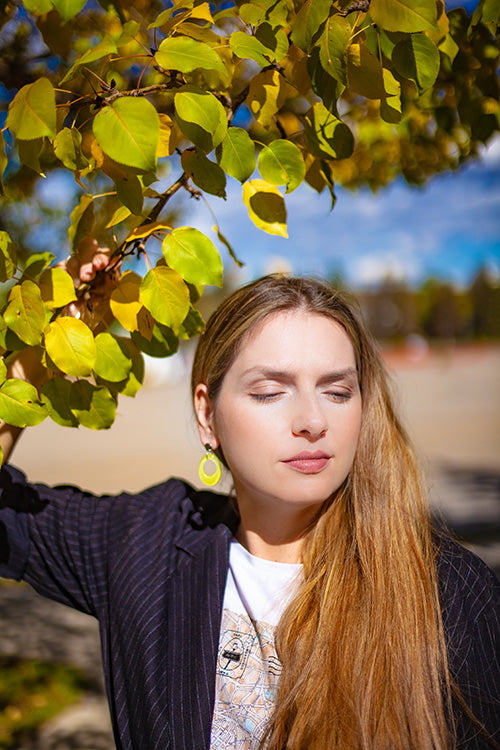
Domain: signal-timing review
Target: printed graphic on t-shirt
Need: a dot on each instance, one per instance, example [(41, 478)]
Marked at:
[(248, 671)]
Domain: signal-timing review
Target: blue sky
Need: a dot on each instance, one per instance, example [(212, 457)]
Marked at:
[(449, 228)]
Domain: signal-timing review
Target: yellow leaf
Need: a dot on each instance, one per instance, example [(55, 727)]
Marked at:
[(202, 12), (266, 207), (264, 96), (56, 287), (146, 229), (124, 300), (121, 213), (71, 346), (164, 143)]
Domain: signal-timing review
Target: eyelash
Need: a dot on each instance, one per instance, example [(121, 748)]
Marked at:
[(262, 397), (270, 397)]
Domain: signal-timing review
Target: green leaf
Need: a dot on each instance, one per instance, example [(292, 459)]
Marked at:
[(308, 20), (449, 47), (93, 406), (364, 72), (105, 47), (57, 288), (255, 12), (333, 45), (193, 255), (281, 163), (125, 300), (8, 339), (245, 47), (274, 39), (266, 207), (201, 117), (32, 112), (326, 135), (236, 154), (68, 148), (36, 263), (82, 220), (8, 257), (3, 371), (417, 58), (186, 54), (490, 14), (128, 130), (164, 293), (204, 173), (163, 342), (68, 8), (112, 359), (160, 20), (390, 106), (56, 395), (327, 88), (71, 346), (129, 191), (19, 404), (136, 375), (131, 385), (121, 213), (404, 15), (38, 7), (29, 153), (25, 312), (192, 325)]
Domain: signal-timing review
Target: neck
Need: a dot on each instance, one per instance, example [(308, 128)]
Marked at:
[(274, 533)]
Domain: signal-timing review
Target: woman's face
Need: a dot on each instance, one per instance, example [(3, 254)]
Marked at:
[(289, 411)]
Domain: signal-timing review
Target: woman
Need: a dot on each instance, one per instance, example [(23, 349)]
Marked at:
[(316, 609)]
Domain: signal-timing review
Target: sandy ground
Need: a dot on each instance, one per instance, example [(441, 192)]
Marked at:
[(450, 400)]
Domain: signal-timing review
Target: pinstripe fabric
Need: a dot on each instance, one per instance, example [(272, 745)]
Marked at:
[(152, 568)]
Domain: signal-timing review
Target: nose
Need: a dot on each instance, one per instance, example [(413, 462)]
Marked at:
[(308, 418)]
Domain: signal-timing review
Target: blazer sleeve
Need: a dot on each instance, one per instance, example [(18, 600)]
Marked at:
[(55, 539), (471, 618)]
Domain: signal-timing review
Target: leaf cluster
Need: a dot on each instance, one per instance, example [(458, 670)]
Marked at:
[(271, 93)]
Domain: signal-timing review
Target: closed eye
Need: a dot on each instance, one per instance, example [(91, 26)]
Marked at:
[(338, 395), (265, 396)]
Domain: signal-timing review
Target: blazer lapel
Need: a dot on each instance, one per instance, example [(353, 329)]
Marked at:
[(195, 596)]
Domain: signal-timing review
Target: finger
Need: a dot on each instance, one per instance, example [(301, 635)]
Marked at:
[(101, 259)]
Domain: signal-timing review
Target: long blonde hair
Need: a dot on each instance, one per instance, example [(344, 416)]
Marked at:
[(362, 643)]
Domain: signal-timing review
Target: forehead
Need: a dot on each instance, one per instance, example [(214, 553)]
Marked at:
[(295, 338)]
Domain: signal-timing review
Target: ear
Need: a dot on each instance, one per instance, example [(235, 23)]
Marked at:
[(205, 415)]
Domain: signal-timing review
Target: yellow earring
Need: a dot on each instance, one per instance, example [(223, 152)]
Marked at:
[(213, 478)]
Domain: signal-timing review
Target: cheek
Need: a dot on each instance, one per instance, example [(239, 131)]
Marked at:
[(352, 429)]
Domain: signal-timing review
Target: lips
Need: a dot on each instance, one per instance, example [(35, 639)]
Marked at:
[(307, 462)]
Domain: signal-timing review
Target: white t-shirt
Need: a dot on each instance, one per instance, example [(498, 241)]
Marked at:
[(248, 669)]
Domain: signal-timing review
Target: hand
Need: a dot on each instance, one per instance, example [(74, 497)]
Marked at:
[(95, 280)]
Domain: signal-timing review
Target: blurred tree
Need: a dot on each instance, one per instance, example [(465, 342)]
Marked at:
[(442, 315), (390, 310), (485, 301), (115, 94)]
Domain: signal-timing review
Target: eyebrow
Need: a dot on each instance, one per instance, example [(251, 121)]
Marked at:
[(286, 375)]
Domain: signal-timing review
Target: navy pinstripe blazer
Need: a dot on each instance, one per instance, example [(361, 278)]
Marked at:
[(152, 568)]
